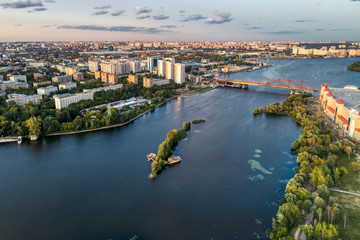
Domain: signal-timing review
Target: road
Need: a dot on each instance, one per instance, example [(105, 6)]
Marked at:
[(343, 191)]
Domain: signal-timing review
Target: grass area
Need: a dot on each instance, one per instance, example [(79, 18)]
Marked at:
[(351, 208), (350, 203), (200, 90), (350, 182)]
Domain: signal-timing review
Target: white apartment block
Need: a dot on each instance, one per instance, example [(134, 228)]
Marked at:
[(17, 78), (161, 68), (179, 73), (169, 71), (47, 90), (24, 99), (70, 85), (64, 100), (93, 66)]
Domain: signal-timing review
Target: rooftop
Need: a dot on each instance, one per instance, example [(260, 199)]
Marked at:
[(351, 97)]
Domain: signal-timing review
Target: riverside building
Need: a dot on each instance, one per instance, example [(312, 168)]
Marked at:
[(343, 107), (64, 100)]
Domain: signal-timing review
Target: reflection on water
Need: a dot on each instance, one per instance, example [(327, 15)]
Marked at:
[(96, 185)]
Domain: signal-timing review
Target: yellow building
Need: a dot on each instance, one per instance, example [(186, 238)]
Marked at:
[(133, 79), (341, 105)]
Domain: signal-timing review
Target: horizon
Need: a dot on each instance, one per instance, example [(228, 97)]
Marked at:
[(228, 21)]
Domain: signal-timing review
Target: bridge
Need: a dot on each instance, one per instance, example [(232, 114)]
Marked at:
[(292, 85)]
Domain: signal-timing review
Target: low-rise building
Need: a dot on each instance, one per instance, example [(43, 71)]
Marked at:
[(70, 85), (149, 82), (39, 84), (112, 87), (62, 79), (342, 106), (24, 99), (78, 76), (64, 100), (18, 78), (7, 85), (47, 90), (21, 85), (133, 78)]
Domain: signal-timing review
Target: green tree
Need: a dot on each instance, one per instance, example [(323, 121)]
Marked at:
[(34, 125)]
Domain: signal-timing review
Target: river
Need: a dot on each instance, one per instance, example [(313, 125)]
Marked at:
[(96, 185)]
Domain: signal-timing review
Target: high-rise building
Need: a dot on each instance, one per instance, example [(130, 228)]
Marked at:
[(93, 66), (169, 71), (179, 73), (161, 68)]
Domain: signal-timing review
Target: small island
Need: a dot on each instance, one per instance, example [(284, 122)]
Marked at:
[(196, 121), (165, 150), (354, 67)]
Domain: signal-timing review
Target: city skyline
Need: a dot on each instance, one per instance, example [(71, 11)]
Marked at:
[(64, 20)]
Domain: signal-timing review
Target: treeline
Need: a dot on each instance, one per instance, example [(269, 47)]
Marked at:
[(167, 147), (47, 119), (307, 194), (354, 67)]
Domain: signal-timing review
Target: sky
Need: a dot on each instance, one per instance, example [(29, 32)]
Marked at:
[(185, 20)]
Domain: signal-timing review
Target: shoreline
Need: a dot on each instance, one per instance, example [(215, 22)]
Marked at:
[(108, 127)]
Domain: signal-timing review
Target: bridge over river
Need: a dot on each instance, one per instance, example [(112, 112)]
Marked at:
[(293, 85)]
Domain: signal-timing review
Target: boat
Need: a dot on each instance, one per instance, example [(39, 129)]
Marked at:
[(151, 157), (19, 140), (173, 160)]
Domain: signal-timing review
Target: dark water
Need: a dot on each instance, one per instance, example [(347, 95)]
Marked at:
[(96, 185)]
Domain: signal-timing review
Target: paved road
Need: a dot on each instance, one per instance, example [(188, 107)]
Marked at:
[(343, 191)]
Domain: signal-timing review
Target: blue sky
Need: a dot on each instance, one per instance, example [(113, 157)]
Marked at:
[(196, 20)]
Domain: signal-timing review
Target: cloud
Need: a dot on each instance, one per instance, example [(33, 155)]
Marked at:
[(168, 26), (140, 10), (103, 12), (182, 11), (17, 25), (304, 20), (118, 13), (161, 17), (340, 29), (144, 16), (103, 7), (21, 4), (131, 29), (193, 17), (221, 17), (254, 28), (39, 9), (50, 1), (45, 26), (284, 32)]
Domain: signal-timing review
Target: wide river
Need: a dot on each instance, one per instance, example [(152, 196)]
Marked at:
[(96, 186)]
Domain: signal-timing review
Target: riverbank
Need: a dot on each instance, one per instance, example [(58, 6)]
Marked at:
[(112, 126), (197, 92), (307, 194)]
